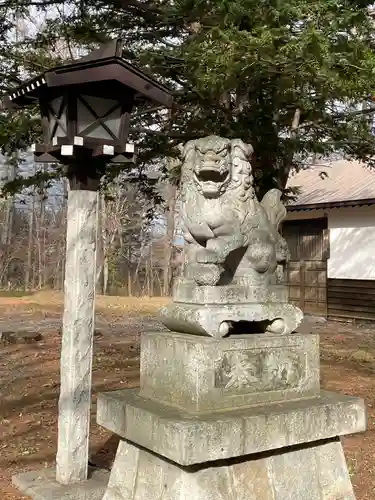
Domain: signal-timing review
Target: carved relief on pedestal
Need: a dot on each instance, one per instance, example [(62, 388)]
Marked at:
[(260, 370)]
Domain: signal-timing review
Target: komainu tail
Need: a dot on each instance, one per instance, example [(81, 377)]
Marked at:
[(274, 207)]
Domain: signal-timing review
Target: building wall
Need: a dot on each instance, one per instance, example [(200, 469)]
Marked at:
[(352, 241)]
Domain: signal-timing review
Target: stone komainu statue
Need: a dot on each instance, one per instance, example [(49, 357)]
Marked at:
[(232, 276)]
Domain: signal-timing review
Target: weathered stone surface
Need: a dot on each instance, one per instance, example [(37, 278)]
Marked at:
[(234, 411), (77, 338), (190, 439), (221, 214), (218, 321), (42, 485), (190, 293), (234, 253), (317, 471), (203, 374)]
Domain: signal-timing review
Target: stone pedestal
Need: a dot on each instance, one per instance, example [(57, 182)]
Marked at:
[(200, 374), (232, 418), (215, 310), (322, 474)]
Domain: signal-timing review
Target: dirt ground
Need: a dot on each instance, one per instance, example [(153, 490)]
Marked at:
[(29, 375)]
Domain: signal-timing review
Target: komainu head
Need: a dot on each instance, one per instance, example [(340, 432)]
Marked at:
[(214, 165)]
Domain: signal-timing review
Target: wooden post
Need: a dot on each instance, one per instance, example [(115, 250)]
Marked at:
[(78, 332), (302, 285)]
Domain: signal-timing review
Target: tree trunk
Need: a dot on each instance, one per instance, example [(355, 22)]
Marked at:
[(28, 270), (7, 230), (40, 238), (286, 167), (129, 270), (100, 248), (151, 273), (65, 218), (169, 240), (105, 275)]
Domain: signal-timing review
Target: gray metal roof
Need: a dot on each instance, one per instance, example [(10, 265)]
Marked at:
[(345, 183)]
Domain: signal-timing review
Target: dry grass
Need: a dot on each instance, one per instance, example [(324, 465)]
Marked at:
[(357, 346), (132, 305), (49, 300), (361, 356), (349, 354)]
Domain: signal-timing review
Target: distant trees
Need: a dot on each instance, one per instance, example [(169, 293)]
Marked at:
[(293, 78), (290, 77), (132, 249)]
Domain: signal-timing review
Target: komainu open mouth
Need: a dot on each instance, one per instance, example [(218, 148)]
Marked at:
[(213, 175)]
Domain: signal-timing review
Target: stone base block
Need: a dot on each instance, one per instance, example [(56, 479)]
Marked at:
[(217, 320), (316, 471), (215, 374), (189, 292), (192, 439), (42, 485)]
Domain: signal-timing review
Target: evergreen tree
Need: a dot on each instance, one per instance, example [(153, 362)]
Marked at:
[(288, 76)]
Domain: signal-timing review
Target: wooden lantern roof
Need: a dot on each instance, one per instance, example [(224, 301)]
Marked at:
[(96, 69)]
